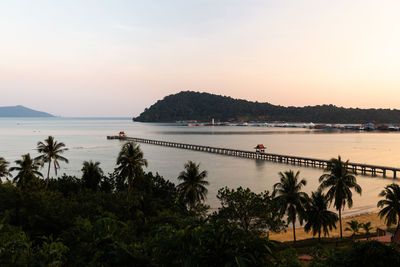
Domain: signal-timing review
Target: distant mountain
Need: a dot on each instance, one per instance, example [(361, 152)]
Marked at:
[(189, 105), (21, 111)]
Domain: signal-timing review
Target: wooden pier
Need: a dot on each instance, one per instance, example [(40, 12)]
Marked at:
[(356, 168)]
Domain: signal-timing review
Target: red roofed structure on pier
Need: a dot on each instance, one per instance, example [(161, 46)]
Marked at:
[(260, 148)]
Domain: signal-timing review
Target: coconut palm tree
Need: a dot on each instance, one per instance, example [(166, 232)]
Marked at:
[(291, 198), (92, 174), (4, 172), (130, 162), (390, 206), (367, 228), (318, 217), (192, 189), (354, 226), (51, 151), (28, 170), (339, 182)]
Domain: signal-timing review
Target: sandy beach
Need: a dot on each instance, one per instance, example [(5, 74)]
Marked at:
[(301, 234)]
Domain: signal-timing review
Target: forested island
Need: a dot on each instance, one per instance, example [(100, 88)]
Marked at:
[(135, 218), (189, 105), (21, 111)]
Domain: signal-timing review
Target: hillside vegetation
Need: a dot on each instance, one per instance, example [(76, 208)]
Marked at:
[(189, 105)]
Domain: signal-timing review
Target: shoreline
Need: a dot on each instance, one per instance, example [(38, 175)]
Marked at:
[(373, 217)]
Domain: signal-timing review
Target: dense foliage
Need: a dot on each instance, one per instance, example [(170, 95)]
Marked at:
[(190, 105), (134, 218), (251, 211), (127, 218), (366, 254), (73, 223)]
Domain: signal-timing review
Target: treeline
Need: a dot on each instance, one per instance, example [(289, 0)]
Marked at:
[(134, 218), (188, 105)]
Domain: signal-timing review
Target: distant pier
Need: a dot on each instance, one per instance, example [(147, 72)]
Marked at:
[(356, 168)]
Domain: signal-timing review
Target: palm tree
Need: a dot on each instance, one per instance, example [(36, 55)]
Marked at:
[(318, 217), (192, 189), (28, 170), (354, 226), (4, 172), (130, 162), (339, 182), (390, 206), (92, 174), (290, 197), (367, 228), (50, 151)]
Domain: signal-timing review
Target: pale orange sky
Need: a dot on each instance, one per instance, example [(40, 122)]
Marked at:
[(114, 58)]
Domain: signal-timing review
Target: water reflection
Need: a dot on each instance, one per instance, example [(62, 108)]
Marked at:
[(260, 165)]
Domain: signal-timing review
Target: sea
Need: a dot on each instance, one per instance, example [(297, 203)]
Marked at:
[(86, 140)]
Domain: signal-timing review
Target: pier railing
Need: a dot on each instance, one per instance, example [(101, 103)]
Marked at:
[(357, 168)]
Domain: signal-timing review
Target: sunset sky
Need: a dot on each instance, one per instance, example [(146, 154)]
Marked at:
[(114, 58)]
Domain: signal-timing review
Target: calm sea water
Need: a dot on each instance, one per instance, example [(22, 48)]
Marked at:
[(86, 140)]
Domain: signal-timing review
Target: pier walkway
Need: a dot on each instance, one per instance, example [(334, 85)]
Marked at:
[(356, 168)]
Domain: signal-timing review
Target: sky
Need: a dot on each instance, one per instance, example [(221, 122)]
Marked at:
[(112, 58)]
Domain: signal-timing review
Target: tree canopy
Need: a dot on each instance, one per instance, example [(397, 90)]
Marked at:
[(251, 211), (189, 105)]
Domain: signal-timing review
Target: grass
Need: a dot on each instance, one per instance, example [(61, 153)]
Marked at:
[(307, 246)]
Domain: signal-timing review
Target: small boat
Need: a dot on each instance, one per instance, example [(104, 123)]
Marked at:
[(369, 126)]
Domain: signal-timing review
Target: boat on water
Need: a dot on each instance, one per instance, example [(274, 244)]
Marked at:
[(341, 127), (369, 126), (195, 124), (212, 123)]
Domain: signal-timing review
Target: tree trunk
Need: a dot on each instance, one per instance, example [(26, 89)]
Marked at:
[(340, 222), (48, 174), (55, 168), (294, 233), (319, 236), (129, 187)]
